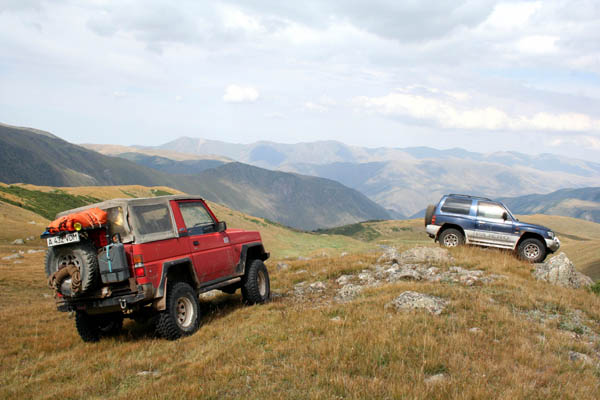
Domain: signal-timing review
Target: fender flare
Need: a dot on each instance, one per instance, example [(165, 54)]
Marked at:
[(161, 291), (255, 248)]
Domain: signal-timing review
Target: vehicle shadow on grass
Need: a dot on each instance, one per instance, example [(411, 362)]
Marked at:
[(211, 309)]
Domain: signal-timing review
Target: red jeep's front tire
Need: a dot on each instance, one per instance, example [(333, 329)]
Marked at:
[(182, 314), (256, 287)]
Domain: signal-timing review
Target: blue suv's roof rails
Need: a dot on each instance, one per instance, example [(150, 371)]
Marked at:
[(469, 196)]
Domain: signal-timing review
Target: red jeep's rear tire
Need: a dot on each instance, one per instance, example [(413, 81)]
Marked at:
[(256, 286), (182, 315), (92, 327)]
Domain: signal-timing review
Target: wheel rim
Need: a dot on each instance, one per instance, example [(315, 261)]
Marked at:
[(185, 312), (451, 240), (262, 283), (532, 251), (63, 262)]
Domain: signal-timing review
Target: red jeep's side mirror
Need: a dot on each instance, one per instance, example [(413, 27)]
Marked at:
[(221, 226)]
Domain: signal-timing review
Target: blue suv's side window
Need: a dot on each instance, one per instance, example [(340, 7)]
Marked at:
[(457, 206)]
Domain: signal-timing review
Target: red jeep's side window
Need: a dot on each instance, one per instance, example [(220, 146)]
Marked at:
[(197, 220)]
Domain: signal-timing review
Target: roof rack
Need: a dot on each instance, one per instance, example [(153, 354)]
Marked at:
[(469, 196)]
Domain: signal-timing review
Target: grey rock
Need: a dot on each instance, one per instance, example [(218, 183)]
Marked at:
[(32, 223), (303, 258), (580, 357), (344, 254), (300, 271), (560, 271), (149, 373), (13, 256), (282, 266), (18, 241), (475, 330), (436, 379), (389, 256), (348, 292), (407, 274), (317, 287), (413, 300), (344, 279), (436, 255), (31, 251), (30, 238)]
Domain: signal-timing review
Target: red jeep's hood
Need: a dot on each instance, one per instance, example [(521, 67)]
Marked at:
[(242, 236)]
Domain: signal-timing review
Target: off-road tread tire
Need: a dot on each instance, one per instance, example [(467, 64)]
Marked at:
[(459, 234), (429, 214), (86, 327), (166, 325), (250, 289), (92, 327), (90, 270), (524, 243)]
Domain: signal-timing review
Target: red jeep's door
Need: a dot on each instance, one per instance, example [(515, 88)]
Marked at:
[(211, 252)]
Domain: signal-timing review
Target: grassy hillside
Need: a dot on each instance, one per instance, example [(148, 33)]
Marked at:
[(508, 339), (281, 241), (581, 203), (298, 201)]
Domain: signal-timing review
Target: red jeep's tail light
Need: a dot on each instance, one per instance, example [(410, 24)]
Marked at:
[(433, 220), (138, 266)]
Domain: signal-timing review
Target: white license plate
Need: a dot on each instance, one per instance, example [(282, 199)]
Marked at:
[(68, 238)]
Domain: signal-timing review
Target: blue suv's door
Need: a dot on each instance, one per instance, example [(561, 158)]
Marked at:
[(491, 227)]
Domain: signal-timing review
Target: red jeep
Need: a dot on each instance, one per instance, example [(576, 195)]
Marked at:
[(151, 259)]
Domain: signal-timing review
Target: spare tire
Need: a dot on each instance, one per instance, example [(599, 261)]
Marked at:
[(429, 214), (83, 255)]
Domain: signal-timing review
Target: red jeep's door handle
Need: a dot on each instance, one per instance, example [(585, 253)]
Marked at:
[(196, 243)]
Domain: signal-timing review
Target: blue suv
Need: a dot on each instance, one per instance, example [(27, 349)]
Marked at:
[(460, 219)]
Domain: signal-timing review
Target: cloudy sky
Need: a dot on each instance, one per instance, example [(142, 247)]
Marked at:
[(481, 75)]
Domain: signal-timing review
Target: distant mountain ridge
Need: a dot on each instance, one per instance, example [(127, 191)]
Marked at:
[(298, 201), (581, 203), (405, 180)]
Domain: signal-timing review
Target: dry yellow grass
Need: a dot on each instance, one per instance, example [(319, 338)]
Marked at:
[(315, 347), (294, 348)]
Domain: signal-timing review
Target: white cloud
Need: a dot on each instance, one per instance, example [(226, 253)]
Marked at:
[(589, 142), (446, 113), (240, 94), (538, 44), (309, 105)]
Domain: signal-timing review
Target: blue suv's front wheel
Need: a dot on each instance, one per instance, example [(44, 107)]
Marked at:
[(451, 238)]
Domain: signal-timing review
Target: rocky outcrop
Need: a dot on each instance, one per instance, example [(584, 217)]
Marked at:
[(560, 271), (413, 301)]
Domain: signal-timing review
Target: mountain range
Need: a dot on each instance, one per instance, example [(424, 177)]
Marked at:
[(403, 180), (303, 202)]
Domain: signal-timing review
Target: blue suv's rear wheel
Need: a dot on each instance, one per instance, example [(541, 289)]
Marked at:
[(451, 238)]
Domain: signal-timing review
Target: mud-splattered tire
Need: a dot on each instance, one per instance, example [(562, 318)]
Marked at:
[(429, 214), (83, 255), (451, 238), (532, 250), (92, 327), (182, 315), (256, 287)]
